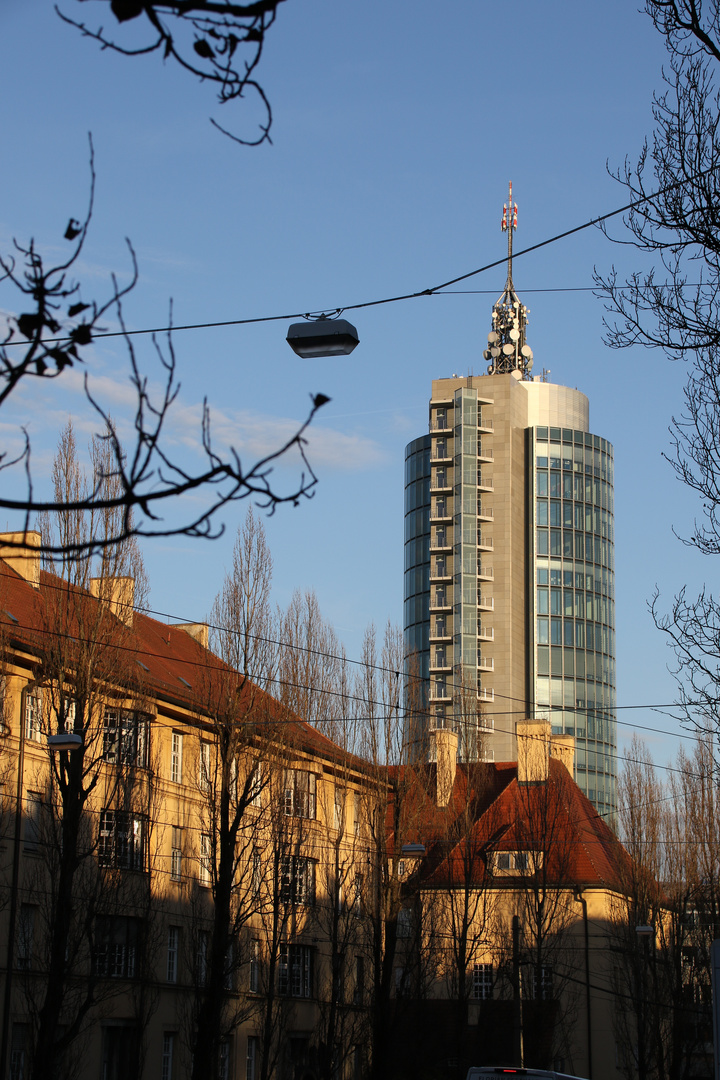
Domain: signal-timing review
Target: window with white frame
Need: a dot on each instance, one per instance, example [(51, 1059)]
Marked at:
[(482, 981), (509, 862), (295, 971), (542, 983), (32, 820), (204, 766), (125, 737), (339, 814), (256, 786), (251, 1060), (176, 758), (173, 953), (121, 840), (404, 922), (254, 972), (205, 858), (256, 881), (115, 947), (358, 813), (201, 957), (168, 1055), (33, 715), (176, 853), (299, 794), (297, 880)]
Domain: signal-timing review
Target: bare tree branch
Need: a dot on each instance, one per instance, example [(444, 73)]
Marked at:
[(143, 481), (214, 40)]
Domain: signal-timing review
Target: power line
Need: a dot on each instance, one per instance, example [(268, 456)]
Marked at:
[(433, 290)]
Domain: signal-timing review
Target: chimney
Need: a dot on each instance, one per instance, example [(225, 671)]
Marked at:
[(533, 751), (446, 744), (197, 630), (21, 551), (563, 748), (119, 595)]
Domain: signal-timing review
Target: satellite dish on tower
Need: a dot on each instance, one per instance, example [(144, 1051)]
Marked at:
[(493, 336), (527, 352), (514, 334), (508, 349)]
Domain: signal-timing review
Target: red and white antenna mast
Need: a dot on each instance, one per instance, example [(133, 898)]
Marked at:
[(507, 348)]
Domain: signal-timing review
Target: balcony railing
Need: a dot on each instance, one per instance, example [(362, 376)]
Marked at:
[(440, 483), (485, 544), (485, 694), (485, 425), (440, 543), (440, 515), (442, 574), (484, 513), (486, 663), (486, 723), (486, 635), (486, 603), (485, 485), (485, 455), (485, 573)]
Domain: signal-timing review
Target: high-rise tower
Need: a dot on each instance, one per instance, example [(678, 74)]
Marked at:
[(509, 606)]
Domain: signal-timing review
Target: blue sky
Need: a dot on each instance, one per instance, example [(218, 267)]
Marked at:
[(397, 127)]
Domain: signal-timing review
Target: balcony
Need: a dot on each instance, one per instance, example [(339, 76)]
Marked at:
[(485, 573), (486, 635), (484, 694), (440, 696), (437, 455), (440, 575), (484, 513), (485, 426), (485, 485), (440, 664), (485, 663), (486, 603), (485, 455), (440, 513), (440, 603), (444, 426), (486, 723), (440, 543), (437, 636), (485, 543), (440, 483)]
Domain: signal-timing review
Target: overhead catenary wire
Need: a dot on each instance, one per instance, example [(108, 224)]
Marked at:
[(433, 290)]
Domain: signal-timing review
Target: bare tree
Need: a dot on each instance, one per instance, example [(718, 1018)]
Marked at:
[(139, 484), (217, 41), (310, 664), (99, 790), (232, 772)]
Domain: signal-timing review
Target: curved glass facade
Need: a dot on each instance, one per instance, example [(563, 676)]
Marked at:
[(574, 600), (416, 590)]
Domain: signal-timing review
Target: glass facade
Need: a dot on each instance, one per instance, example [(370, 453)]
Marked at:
[(574, 600), (416, 590)]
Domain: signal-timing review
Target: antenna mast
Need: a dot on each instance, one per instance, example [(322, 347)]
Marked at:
[(507, 349)]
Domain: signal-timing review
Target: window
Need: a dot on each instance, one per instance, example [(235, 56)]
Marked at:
[(115, 947), (176, 854), (339, 819), (173, 953), (119, 1051), (168, 1055), (543, 983), (125, 737), (205, 858), (19, 1052), (297, 880), (358, 813), (66, 713), (33, 715), (224, 1060), (204, 769), (251, 1058), (357, 897), (295, 971), (482, 976), (201, 957), (121, 840), (404, 923), (299, 793), (254, 975), (176, 758), (26, 935), (359, 987), (256, 872), (256, 786), (33, 817)]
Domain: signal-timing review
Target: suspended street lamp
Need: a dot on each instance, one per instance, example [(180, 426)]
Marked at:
[(323, 336)]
